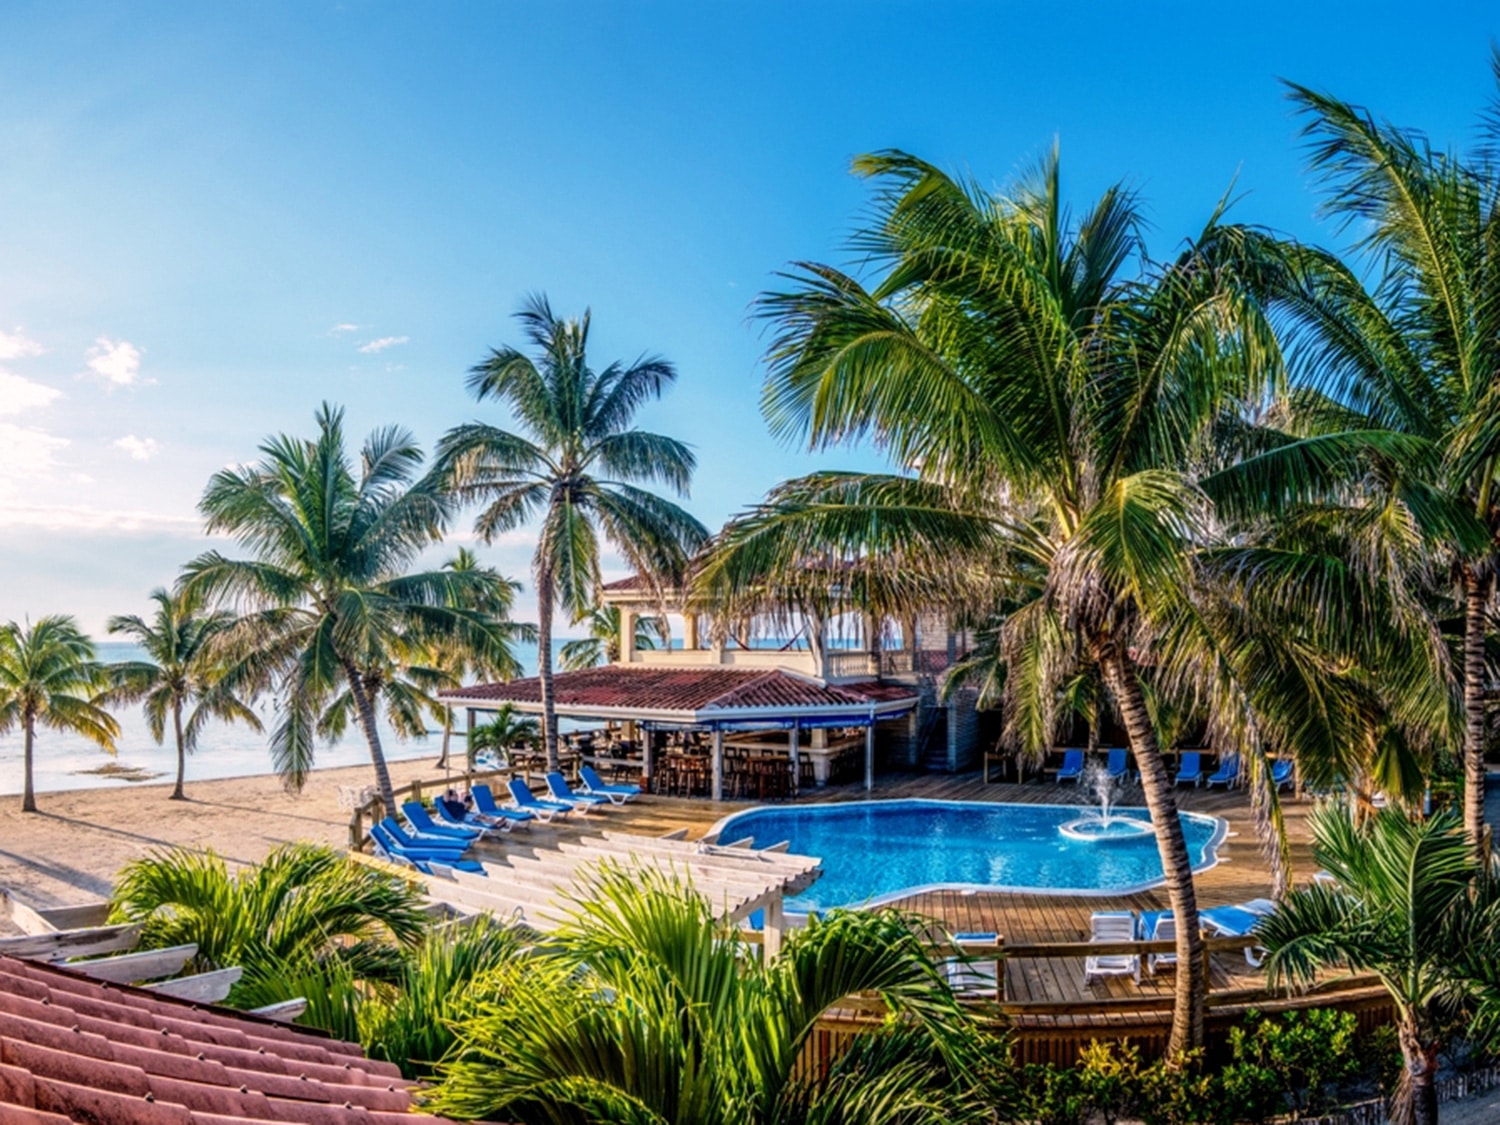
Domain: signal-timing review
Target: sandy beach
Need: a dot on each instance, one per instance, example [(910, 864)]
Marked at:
[(71, 850)]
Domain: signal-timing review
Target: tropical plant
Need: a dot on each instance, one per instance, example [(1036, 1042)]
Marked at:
[(506, 729), (1405, 367), (602, 645), (332, 615), (644, 1008), (184, 670), (49, 677), (579, 464), (1407, 903), (1051, 419), (309, 921)]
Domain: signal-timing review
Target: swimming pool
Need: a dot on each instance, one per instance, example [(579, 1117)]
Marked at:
[(877, 851)]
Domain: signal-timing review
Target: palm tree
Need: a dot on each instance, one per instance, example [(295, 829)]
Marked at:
[(49, 677), (306, 920), (183, 671), (505, 730), (1052, 419), (644, 1009), (577, 463), (602, 645), (1409, 361), (331, 612), (1408, 904)]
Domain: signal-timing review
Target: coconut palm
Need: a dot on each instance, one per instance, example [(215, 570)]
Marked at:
[(1052, 418), (1409, 904), (644, 1009), (506, 729), (306, 920), (602, 645), (332, 615), (49, 677), (579, 465), (183, 671), (1412, 357)]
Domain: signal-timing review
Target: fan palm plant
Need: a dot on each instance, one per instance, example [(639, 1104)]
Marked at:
[(644, 1009), (332, 615), (308, 918), (506, 729), (49, 677), (1053, 418), (183, 671), (1409, 904), (579, 464), (603, 643), (1409, 361)]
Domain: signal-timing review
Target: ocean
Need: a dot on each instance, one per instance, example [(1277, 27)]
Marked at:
[(66, 761)]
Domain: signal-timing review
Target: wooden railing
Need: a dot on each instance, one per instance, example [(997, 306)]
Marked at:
[(374, 811)]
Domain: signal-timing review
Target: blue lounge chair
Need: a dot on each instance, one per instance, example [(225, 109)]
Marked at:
[(1159, 925), (1118, 764), (1190, 769), (1281, 773), (1239, 921), (421, 843), (542, 809), (485, 806), (1071, 768), (423, 859), (619, 794), (557, 785), (471, 821), (1228, 773), (424, 827)]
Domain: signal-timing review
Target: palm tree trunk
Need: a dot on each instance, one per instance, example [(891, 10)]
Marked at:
[(442, 762), (177, 793), (1416, 1100), (1192, 979), (544, 595), (366, 710), (28, 796), (1474, 684)]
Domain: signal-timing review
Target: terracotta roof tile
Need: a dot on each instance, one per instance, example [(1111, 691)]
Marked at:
[(72, 1049)]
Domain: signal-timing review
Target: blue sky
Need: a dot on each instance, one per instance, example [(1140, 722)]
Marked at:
[(212, 217)]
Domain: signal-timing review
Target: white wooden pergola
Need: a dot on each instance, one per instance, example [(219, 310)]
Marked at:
[(538, 887)]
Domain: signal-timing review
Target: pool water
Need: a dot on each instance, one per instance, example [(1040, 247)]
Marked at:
[(875, 851)]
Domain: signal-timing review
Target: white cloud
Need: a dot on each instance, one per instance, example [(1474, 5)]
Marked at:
[(381, 344), (118, 362), (18, 394), (16, 345), (26, 455), (81, 517), (340, 329), (140, 449)]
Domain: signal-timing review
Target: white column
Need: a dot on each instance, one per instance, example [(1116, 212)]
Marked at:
[(796, 743), (870, 754), (690, 631), (718, 764), (774, 921), (627, 635)]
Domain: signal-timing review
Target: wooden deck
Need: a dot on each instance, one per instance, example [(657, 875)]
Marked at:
[(1037, 918)]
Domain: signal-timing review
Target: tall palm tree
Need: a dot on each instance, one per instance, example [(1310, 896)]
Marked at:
[(644, 1009), (183, 671), (1052, 418), (332, 615), (1408, 903), (1410, 358), (602, 645), (49, 677), (578, 464), (506, 729)]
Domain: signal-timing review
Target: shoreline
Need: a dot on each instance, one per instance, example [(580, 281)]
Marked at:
[(72, 848)]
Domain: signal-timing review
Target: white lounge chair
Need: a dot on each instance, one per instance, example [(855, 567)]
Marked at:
[(1112, 926), (1159, 925), (971, 977)]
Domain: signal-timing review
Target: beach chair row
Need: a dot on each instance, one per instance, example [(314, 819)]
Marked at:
[(1190, 770)]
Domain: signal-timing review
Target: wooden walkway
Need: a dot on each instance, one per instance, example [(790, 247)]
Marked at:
[(1026, 918)]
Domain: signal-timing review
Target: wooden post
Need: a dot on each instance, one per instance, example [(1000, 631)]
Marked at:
[(774, 920), (648, 761), (718, 763), (627, 635), (870, 754), (795, 743)]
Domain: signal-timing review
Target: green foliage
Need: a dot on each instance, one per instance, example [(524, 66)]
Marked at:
[(645, 1009), (602, 645), (1051, 1095), (1304, 1052), (1110, 1077), (1181, 1094), (506, 729)]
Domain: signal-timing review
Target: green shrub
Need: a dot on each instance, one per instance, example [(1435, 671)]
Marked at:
[(1304, 1052), (1110, 1077), (1179, 1095), (1052, 1095)]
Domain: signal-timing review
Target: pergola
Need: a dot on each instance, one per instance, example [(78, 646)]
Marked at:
[(711, 698), (535, 887)]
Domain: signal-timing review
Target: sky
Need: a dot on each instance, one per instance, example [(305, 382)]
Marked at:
[(214, 217)]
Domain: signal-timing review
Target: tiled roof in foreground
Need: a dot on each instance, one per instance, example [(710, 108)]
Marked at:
[(72, 1049), (695, 690)]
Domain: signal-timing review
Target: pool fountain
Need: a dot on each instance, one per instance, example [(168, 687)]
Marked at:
[(1103, 825)]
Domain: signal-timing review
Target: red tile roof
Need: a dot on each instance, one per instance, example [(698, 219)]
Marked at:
[(72, 1049), (646, 688)]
